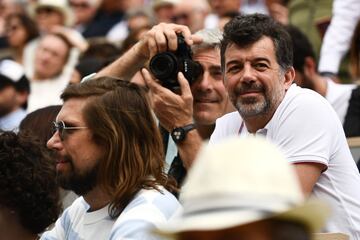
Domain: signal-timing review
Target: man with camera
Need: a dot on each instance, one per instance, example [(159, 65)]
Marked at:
[(186, 106)]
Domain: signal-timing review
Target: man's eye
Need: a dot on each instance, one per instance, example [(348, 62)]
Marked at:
[(261, 66), (233, 69), (217, 74)]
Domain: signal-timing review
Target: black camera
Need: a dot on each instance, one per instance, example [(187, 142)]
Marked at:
[(166, 65)]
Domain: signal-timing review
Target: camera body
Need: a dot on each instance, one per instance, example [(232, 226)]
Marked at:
[(166, 65)]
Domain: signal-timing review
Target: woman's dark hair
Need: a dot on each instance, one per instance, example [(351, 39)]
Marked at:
[(27, 22), (40, 122), (28, 181)]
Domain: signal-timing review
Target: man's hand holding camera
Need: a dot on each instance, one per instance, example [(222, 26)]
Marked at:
[(173, 110)]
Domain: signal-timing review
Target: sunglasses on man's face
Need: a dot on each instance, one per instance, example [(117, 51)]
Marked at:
[(62, 129)]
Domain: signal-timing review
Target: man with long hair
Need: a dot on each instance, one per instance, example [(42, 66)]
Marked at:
[(111, 154)]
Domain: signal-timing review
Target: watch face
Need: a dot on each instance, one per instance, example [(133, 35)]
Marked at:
[(178, 134)]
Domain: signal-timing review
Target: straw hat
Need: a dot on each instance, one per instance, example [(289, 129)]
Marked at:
[(159, 3), (240, 181), (60, 5)]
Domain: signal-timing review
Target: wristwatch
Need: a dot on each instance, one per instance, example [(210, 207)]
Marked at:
[(178, 134)]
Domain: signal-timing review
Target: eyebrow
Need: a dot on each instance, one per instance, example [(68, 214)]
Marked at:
[(215, 68), (257, 59)]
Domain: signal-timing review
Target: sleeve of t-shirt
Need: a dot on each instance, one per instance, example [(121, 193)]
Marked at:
[(307, 129)]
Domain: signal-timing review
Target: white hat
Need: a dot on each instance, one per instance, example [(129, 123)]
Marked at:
[(13, 73), (159, 3), (60, 5), (240, 181)]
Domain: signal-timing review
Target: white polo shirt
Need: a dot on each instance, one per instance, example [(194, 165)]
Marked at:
[(307, 129)]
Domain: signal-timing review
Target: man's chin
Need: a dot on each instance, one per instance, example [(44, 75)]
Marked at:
[(80, 184), (205, 118)]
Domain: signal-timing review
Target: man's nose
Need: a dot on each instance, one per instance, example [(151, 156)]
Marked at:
[(248, 74), (205, 83), (54, 142)]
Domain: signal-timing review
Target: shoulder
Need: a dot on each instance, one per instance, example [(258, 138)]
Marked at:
[(302, 101), (161, 202), (69, 220), (148, 209), (227, 125)]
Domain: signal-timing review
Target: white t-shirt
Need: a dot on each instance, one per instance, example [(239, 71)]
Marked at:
[(146, 210), (307, 129), (46, 92)]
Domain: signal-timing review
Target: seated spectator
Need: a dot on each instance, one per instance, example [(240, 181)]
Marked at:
[(49, 14), (164, 10), (14, 92), (110, 153), (49, 69), (344, 98), (219, 8), (29, 199), (255, 195), (191, 13), (257, 57), (20, 30), (96, 17), (8, 7), (84, 11)]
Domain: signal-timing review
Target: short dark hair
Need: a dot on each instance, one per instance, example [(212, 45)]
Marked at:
[(301, 46), (245, 30), (28, 181)]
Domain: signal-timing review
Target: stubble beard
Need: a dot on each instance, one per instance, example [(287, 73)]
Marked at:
[(255, 106)]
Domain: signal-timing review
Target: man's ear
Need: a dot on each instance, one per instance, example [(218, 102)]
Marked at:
[(309, 67), (21, 97), (289, 77)]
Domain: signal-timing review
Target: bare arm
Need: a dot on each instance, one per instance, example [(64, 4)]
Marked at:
[(175, 110), (308, 174)]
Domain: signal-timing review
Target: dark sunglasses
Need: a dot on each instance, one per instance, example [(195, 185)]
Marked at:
[(61, 128)]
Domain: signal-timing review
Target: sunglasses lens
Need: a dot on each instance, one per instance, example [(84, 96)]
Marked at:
[(59, 126)]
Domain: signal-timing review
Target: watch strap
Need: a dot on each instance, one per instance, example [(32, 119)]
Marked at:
[(178, 134)]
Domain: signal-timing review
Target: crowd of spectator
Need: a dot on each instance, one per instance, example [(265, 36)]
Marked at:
[(98, 145)]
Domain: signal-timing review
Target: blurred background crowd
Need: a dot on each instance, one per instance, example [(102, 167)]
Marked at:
[(59, 42)]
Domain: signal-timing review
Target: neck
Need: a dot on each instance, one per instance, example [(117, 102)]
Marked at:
[(320, 85), (97, 199), (37, 77), (18, 55), (258, 122), (205, 131)]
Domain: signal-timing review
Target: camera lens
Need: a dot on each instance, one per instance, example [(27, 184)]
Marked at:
[(164, 65)]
